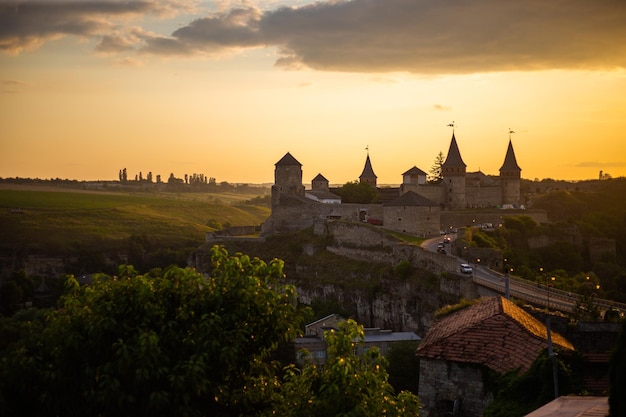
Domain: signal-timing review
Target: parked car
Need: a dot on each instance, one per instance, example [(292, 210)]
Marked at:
[(466, 269)]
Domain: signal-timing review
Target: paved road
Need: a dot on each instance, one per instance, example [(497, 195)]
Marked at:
[(520, 288)]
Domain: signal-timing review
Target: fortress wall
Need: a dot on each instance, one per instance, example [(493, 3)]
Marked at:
[(433, 192), (416, 255), (359, 235), (419, 221), (477, 196), (302, 214)]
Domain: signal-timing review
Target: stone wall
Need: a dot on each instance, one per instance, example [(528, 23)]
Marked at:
[(302, 213), (417, 220), (442, 383), (485, 196)]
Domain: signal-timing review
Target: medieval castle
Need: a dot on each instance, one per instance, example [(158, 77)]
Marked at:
[(415, 207)]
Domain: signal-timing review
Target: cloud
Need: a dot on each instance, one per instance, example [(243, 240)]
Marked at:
[(375, 36), (422, 36), (598, 164), (26, 25), (12, 86)]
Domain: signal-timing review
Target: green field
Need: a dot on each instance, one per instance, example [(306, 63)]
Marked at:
[(55, 221)]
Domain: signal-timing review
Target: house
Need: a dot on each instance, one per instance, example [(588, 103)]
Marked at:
[(493, 334), (312, 346)]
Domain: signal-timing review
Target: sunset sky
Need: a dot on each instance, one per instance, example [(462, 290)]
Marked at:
[(226, 88)]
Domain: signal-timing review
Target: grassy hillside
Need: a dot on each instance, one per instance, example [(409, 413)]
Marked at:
[(57, 221)]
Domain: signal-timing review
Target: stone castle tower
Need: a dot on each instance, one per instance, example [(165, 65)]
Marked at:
[(453, 172), (320, 183), (368, 176), (510, 177), (287, 178)]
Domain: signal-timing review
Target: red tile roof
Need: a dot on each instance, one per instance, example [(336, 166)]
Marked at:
[(495, 333)]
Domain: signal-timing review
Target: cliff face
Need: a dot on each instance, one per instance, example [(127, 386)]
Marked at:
[(394, 287), (389, 303)]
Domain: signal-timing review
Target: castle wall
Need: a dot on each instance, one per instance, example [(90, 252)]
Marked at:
[(483, 196), (433, 192), (297, 214), (417, 220)]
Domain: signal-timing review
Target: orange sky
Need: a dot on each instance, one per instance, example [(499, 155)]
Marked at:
[(226, 88)]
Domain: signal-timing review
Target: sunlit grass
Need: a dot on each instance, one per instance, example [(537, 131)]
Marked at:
[(44, 220)]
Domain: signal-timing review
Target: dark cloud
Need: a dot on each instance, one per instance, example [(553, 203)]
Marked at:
[(28, 24), (418, 36), (425, 36)]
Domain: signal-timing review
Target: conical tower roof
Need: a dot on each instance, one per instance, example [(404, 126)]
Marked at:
[(368, 171), (510, 162), (454, 160)]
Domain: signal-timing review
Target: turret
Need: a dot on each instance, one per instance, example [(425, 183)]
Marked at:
[(320, 183), (368, 176), (453, 172), (510, 177), (287, 178)]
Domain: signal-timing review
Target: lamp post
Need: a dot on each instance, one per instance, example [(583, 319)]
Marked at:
[(550, 286), (551, 354)]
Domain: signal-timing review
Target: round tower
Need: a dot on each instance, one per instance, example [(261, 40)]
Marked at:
[(510, 178), (453, 172)]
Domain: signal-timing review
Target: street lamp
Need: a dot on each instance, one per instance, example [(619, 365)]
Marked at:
[(550, 286)]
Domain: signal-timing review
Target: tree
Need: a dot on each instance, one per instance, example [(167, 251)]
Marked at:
[(436, 171), (176, 344), (357, 192), (348, 384)]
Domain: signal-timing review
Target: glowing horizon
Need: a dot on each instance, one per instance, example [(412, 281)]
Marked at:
[(226, 88)]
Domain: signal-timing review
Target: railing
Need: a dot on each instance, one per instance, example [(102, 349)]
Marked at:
[(541, 295)]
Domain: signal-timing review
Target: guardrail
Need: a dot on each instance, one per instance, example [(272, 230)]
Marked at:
[(542, 295)]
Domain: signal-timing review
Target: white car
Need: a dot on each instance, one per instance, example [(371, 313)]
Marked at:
[(466, 269)]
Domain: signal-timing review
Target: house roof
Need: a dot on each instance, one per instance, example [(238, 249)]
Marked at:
[(323, 195), (481, 178), (495, 333), (288, 159), (368, 171), (454, 156), (333, 316), (411, 198), (571, 406), (414, 171), (510, 162)]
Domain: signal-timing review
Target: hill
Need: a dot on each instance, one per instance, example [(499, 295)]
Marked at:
[(113, 227)]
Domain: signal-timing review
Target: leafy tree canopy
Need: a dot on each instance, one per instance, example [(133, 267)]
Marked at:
[(358, 192), (348, 384), (176, 342)]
